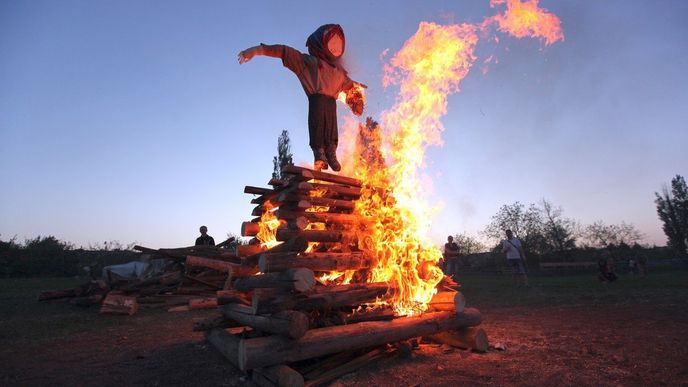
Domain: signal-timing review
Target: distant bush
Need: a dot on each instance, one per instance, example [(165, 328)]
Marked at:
[(48, 256)]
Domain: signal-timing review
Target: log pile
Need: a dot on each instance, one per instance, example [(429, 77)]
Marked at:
[(285, 322), (187, 282)]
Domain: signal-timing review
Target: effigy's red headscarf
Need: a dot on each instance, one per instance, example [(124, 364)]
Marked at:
[(317, 43)]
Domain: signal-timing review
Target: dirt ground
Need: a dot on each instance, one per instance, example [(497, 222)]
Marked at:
[(623, 345), (623, 341)]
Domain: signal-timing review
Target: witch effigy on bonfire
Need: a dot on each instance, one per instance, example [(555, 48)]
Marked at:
[(323, 78)]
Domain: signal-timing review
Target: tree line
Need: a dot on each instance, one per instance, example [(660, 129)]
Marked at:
[(544, 229)]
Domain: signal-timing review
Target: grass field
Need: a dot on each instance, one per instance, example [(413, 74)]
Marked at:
[(563, 329), (667, 286)]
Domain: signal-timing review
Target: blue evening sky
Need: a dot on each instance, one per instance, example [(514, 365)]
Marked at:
[(132, 120)]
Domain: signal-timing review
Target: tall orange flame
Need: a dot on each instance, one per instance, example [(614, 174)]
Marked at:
[(428, 68), (268, 227), (525, 19)]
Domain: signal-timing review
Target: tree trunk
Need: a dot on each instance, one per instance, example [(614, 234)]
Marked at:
[(309, 235), (271, 350)]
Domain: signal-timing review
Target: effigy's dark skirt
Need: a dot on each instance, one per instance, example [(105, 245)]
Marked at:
[(322, 121)]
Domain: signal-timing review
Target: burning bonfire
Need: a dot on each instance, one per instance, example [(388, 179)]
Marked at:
[(345, 263)]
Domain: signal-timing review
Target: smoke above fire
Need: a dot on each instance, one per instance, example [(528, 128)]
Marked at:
[(429, 67)]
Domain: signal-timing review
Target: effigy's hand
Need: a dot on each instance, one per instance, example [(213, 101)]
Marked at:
[(245, 56)]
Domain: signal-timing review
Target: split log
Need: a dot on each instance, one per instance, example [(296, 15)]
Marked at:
[(57, 294), (250, 229), (201, 281), (322, 217), (473, 338), (320, 378), (203, 303), (331, 189), (281, 376), (257, 190), (305, 202), (289, 197), (324, 300), (299, 279), (246, 250), (208, 323), (215, 264), (314, 261), (86, 300), (447, 301), (221, 266), (119, 304), (310, 174), (230, 297), (288, 323), (297, 244), (284, 234), (227, 344), (376, 314), (272, 350)]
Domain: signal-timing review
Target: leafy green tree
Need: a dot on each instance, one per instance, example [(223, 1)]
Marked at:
[(672, 209), (284, 156)]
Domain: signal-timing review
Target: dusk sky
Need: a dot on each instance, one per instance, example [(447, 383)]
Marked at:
[(132, 121)]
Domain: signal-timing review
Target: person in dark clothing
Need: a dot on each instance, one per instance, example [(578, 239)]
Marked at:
[(606, 272), (451, 256), (204, 239), (323, 78)]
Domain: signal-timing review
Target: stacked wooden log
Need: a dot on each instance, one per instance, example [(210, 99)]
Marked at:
[(285, 322)]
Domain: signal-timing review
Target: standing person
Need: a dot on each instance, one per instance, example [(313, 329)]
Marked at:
[(204, 239), (322, 77), (515, 257), (451, 254)]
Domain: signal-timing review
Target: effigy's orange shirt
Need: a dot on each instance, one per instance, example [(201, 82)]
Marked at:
[(316, 76)]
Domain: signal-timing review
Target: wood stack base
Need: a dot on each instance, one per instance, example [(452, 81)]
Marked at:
[(281, 320)]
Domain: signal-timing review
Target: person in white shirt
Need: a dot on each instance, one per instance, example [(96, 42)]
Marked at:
[(515, 258)]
